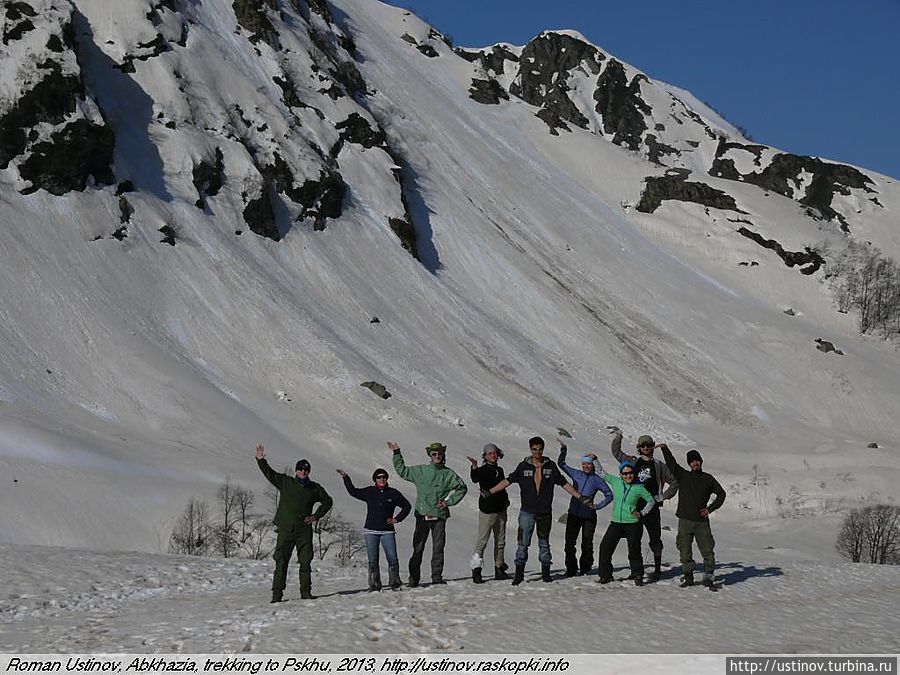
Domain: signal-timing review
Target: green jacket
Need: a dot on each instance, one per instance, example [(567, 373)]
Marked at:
[(433, 482), (625, 498), (295, 500)]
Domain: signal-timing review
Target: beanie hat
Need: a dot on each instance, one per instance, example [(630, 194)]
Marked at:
[(379, 472), (693, 455), (490, 446), (302, 464), (645, 440), (627, 462), (534, 440)]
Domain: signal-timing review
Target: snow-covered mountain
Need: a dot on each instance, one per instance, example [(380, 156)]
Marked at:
[(219, 219)]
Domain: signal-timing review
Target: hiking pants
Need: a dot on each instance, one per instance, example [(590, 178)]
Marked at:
[(654, 529), (490, 523), (688, 530), (586, 527), (632, 533), (287, 541), (438, 530)]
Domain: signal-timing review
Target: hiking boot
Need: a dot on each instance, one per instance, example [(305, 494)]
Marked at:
[(519, 575), (500, 573), (687, 580), (374, 579), (307, 595), (570, 572), (631, 576), (710, 582), (545, 574), (476, 575), (276, 596), (604, 580), (652, 578), (394, 577), (639, 580), (439, 581)]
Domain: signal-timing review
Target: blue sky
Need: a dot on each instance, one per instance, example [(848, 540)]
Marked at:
[(813, 77)]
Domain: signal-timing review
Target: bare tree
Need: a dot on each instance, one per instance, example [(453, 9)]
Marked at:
[(260, 541), (871, 534), (193, 530)]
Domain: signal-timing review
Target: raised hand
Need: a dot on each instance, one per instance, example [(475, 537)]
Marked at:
[(342, 472), (393, 447), (260, 452), (473, 460)]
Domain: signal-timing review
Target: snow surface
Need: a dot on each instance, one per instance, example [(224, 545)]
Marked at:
[(135, 375)]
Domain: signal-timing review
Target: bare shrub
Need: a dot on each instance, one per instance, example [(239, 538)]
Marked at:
[(193, 531), (871, 535)]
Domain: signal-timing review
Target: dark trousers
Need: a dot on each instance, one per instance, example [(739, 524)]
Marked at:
[(688, 530), (585, 527), (632, 533), (287, 541), (438, 530), (654, 528)]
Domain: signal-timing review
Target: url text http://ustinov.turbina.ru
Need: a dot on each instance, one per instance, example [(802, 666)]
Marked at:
[(882, 665), (409, 665)]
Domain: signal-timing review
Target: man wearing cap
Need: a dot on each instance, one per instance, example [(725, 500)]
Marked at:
[(382, 502), (694, 490), (294, 521), (491, 512), (536, 476), (437, 489), (582, 518), (653, 474)]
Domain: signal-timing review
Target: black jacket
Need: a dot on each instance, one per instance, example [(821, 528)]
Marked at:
[(381, 505), (487, 476), (532, 500), (694, 490)]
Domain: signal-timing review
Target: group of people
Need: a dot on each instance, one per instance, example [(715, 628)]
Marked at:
[(635, 493)]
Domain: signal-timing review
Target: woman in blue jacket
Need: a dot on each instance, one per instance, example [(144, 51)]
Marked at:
[(382, 502)]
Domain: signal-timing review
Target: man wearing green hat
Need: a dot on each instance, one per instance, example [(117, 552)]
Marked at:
[(437, 489)]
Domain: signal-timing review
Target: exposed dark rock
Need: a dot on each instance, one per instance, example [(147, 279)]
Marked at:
[(409, 38), (356, 129), (492, 60), (54, 44), (260, 216), (427, 50), (375, 319), (790, 312), (78, 151), (406, 233), (321, 199), (17, 31), (349, 76), (126, 210), (251, 15), (872, 445), (16, 10), (50, 100), (544, 68), (656, 149), (488, 92), (169, 235), (660, 188), (808, 257), (783, 175), (438, 35), (377, 389), (123, 187), (620, 105), (321, 8), (208, 178), (288, 92), (826, 346), (121, 234), (551, 118)]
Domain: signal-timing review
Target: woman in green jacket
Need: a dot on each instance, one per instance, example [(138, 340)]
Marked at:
[(625, 521)]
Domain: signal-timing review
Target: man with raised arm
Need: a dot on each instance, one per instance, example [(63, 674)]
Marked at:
[(695, 487), (294, 521), (438, 487)]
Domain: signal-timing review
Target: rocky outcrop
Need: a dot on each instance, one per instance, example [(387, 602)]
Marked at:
[(208, 178), (675, 186), (78, 152), (808, 260), (489, 92), (620, 105), (252, 16)]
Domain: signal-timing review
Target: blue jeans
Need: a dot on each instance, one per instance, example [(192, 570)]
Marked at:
[(388, 542), (527, 524)]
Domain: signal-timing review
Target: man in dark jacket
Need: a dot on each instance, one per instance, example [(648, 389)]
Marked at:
[(536, 477), (694, 490), (659, 481), (382, 501), (294, 521), (491, 512)]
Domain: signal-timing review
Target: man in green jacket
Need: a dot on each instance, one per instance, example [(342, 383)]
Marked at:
[(437, 489), (694, 490), (294, 521)]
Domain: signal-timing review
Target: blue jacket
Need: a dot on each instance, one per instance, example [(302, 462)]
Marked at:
[(587, 485), (381, 505)]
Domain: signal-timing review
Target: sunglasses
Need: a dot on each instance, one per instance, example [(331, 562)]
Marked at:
[(381, 477), (647, 445), (537, 447), (628, 473)]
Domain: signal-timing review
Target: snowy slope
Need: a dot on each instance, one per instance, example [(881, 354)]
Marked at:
[(146, 346)]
